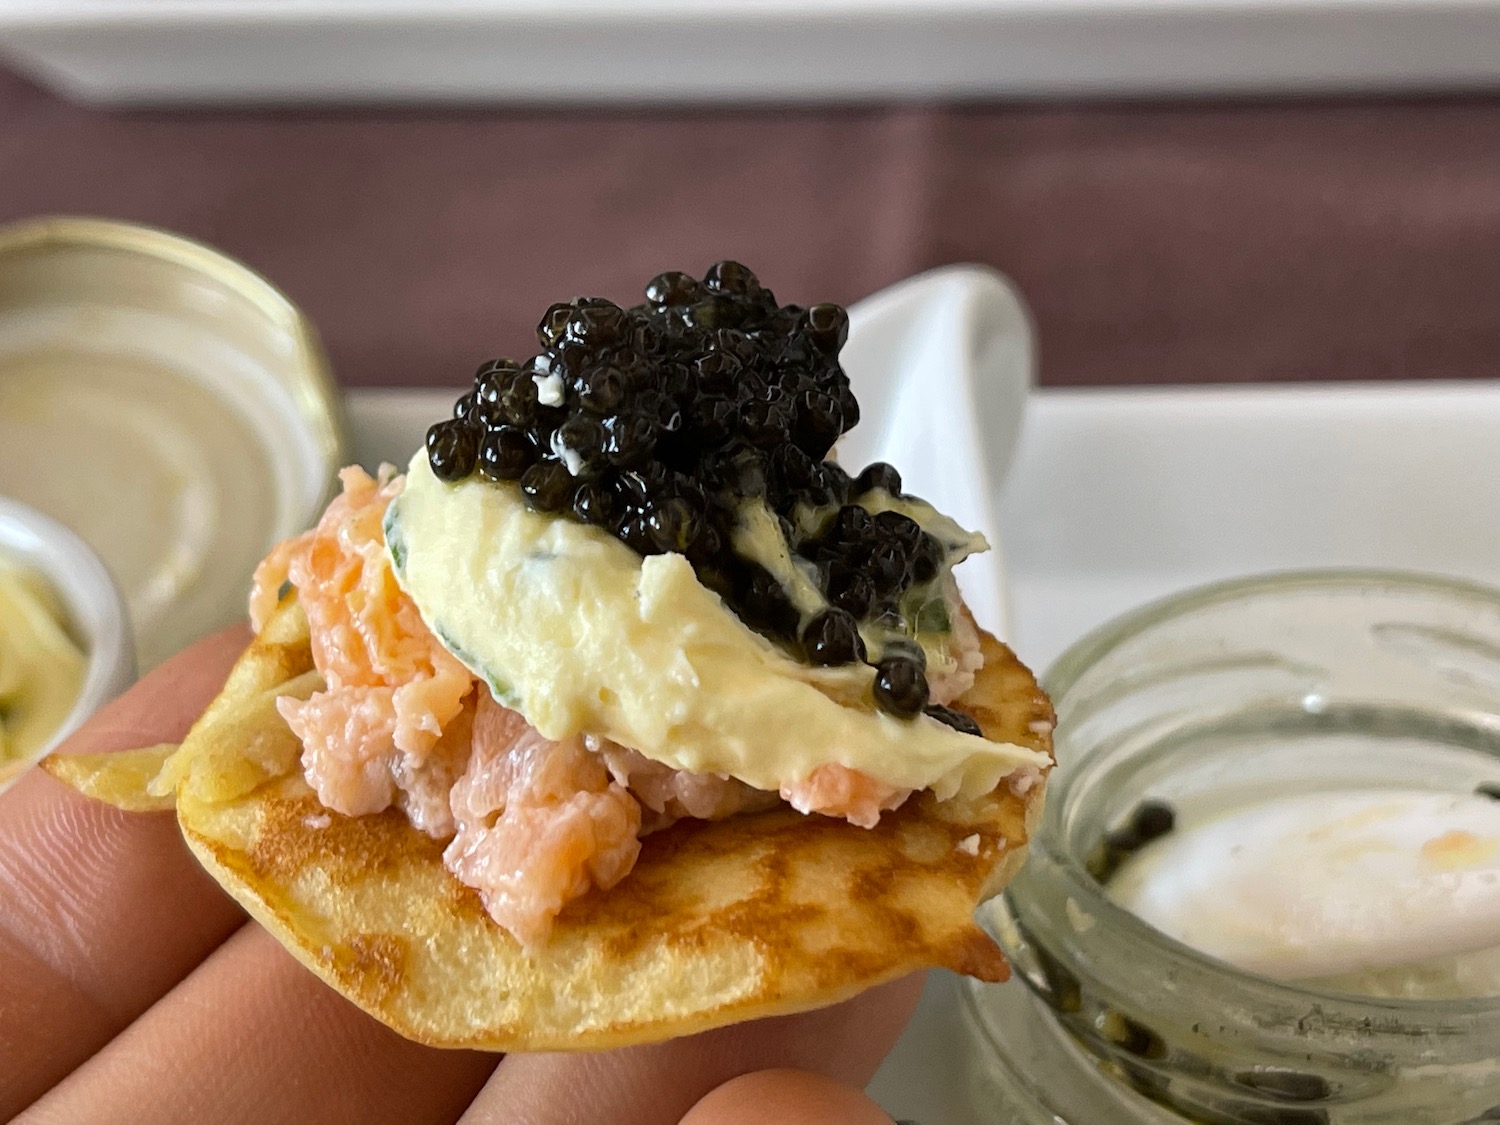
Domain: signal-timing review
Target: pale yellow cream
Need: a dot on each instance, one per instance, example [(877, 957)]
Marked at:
[(582, 636), (41, 669)]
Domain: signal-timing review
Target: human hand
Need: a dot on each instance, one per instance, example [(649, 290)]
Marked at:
[(132, 989)]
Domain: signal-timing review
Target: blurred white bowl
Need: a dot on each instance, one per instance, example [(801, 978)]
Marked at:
[(96, 613)]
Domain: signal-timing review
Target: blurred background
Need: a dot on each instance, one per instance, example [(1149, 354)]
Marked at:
[(1184, 193)]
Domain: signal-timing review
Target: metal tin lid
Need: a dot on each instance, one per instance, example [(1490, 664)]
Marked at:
[(167, 404)]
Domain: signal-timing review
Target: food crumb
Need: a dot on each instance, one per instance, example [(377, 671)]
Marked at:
[(317, 821), (1081, 921), (1024, 780), (969, 845)]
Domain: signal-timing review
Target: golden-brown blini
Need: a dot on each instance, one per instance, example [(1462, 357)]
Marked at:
[(756, 915)]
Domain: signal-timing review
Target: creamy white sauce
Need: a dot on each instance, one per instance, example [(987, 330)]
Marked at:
[(570, 457), (758, 537), (583, 636), (549, 388)]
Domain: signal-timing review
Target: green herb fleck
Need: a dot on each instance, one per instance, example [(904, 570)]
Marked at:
[(933, 617), (395, 541)]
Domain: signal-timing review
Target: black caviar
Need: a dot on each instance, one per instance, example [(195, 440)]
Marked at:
[(955, 719), (660, 423), (1149, 821)]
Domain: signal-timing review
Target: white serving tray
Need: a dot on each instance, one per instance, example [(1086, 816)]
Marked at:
[(1117, 497), (654, 51)]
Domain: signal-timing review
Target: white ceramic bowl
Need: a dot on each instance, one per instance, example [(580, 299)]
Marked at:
[(96, 613)]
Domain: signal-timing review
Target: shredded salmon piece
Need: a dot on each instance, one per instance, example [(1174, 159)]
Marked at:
[(667, 795), (964, 646), (269, 577), (539, 823), (347, 747), (391, 688), (423, 789), (836, 790)]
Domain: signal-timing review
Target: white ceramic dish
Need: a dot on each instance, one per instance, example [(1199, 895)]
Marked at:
[(652, 51), (1118, 497), (96, 613)]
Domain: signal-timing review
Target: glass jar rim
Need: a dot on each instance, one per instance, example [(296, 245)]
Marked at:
[(1150, 943)]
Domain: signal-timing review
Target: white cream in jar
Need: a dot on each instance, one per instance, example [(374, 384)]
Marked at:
[(1377, 892)]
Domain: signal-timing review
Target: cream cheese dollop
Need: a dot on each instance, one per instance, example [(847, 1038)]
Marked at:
[(581, 635)]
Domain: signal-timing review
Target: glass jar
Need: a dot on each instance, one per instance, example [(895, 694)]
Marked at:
[(1290, 683)]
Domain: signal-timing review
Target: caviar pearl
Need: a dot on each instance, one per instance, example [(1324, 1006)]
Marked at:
[(547, 486), (505, 453), (832, 637), (672, 525), (955, 719), (900, 686), (451, 448), (674, 288), (595, 502), (879, 475), (731, 277), (827, 327)]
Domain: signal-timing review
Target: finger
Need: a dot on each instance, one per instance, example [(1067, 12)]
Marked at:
[(253, 1037), (785, 1097), (104, 910), (657, 1084)]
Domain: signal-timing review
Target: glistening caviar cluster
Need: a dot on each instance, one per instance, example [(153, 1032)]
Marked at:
[(663, 423)]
